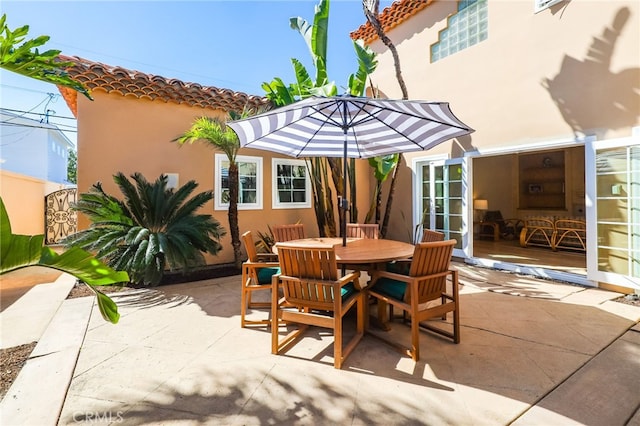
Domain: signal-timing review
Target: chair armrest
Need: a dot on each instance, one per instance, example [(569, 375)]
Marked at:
[(405, 278), (375, 275), (351, 277), (262, 264)]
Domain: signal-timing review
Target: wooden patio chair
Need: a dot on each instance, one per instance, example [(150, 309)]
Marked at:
[(282, 233), (256, 276), (313, 294), (402, 266), (363, 230), (429, 235), (423, 294)]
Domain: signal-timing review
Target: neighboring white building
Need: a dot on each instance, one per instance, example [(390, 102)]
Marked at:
[(32, 148)]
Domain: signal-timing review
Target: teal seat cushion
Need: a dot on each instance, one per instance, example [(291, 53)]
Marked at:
[(398, 267), (391, 288), (347, 291), (265, 274)]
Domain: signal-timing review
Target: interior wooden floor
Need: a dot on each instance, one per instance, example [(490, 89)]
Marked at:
[(509, 251)]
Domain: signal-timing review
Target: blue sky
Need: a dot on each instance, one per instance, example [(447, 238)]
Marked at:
[(234, 44)]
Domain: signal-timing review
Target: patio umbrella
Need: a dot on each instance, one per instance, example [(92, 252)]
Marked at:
[(350, 127)]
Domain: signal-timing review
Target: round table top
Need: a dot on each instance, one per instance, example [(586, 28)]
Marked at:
[(359, 250)]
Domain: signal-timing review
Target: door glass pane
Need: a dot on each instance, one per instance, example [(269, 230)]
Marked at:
[(455, 189), (455, 172), (618, 210)]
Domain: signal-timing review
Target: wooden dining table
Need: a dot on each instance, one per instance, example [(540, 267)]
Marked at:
[(362, 254), (359, 251)]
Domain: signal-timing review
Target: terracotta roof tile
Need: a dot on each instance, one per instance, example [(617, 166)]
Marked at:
[(114, 79), (391, 17)]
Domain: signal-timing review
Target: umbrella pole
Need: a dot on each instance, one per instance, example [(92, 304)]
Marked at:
[(345, 202)]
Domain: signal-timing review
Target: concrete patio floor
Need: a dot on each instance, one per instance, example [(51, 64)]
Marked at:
[(533, 352)]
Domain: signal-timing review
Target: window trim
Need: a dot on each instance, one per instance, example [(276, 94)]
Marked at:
[(218, 204), (275, 203), (540, 5)]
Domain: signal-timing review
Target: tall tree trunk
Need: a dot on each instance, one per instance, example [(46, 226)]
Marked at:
[(233, 214), (322, 197), (371, 11), (392, 190), (352, 190), (335, 164), (317, 194)]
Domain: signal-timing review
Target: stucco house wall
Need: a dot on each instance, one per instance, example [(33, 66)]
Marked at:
[(567, 71), (567, 75), (23, 197)]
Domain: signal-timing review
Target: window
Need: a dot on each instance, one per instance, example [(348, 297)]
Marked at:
[(464, 29), (249, 180), (291, 184)]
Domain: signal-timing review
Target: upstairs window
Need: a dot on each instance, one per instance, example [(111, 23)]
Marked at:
[(291, 184), (469, 26)]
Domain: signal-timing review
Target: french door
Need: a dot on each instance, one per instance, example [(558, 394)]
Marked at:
[(441, 201), (613, 211)]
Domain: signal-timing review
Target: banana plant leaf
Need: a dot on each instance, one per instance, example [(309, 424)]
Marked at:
[(21, 251), (25, 59)]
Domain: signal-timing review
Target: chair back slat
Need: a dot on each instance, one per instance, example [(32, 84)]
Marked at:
[(308, 275), (431, 259), (250, 246), (282, 233), (363, 230), (429, 235)]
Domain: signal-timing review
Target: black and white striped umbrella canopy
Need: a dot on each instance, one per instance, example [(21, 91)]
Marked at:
[(347, 126), (350, 127)]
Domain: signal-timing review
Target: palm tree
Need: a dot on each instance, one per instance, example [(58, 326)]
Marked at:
[(217, 135), (371, 10), (151, 229)]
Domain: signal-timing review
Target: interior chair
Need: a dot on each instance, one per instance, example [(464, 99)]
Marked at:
[(363, 230), (570, 233), (494, 226), (282, 233), (538, 231), (256, 276), (429, 235), (314, 295), (422, 294)]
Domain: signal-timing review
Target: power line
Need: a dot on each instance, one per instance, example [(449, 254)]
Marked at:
[(7, 123), (37, 113), (23, 88)]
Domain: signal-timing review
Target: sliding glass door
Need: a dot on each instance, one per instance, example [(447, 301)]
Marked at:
[(613, 212)]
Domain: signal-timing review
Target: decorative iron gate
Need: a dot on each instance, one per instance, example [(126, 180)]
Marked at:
[(60, 220)]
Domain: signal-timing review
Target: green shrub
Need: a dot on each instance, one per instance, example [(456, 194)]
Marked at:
[(153, 228)]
